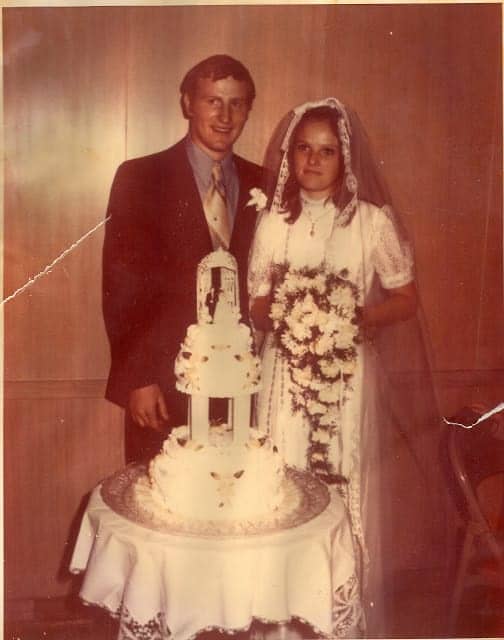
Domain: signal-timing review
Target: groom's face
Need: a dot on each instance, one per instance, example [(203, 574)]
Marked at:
[(217, 113)]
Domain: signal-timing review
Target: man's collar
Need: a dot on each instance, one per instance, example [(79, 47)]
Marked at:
[(202, 159)]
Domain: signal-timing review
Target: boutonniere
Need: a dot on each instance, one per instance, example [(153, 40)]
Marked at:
[(258, 199)]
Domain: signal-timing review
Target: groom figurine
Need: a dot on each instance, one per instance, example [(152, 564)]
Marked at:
[(167, 211)]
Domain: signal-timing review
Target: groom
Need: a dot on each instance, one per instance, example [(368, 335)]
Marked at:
[(168, 210)]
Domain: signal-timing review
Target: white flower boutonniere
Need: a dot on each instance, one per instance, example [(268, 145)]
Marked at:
[(258, 199)]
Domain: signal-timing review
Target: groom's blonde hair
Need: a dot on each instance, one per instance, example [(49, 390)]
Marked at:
[(216, 67)]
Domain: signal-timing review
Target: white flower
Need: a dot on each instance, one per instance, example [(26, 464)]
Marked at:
[(292, 346), (329, 368), (258, 199), (330, 394), (299, 350), (320, 435), (315, 408), (348, 367), (323, 345), (304, 282), (302, 376), (308, 305), (299, 398), (277, 311), (342, 297), (300, 331), (297, 313), (318, 283), (330, 419), (344, 336), (322, 318), (309, 317)]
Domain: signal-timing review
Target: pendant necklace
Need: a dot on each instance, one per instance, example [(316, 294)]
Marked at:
[(323, 209)]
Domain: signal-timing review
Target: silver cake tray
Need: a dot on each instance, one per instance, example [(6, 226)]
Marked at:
[(305, 498)]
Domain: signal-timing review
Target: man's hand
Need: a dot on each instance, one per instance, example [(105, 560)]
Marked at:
[(148, 408)]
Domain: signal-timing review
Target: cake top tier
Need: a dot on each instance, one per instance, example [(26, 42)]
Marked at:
[(217, 289), (217, 358)]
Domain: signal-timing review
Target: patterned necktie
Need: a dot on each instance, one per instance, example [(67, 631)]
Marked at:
[(215, 207)]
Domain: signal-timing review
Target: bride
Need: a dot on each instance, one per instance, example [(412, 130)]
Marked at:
[(330, 267)]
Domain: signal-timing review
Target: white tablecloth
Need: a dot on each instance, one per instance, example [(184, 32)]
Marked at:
[(172, 586)]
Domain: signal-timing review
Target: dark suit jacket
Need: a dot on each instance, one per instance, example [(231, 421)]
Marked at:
[(154, 241)]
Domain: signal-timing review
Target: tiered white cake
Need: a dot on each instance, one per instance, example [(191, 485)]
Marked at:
[(225, 472), (220, 480)]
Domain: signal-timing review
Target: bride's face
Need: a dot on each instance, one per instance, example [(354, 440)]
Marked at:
[(317, 159)]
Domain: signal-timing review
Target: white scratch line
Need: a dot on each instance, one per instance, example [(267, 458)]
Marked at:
[(49, 267), (486, 415)]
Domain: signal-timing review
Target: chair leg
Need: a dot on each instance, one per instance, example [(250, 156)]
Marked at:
[(459, 580)]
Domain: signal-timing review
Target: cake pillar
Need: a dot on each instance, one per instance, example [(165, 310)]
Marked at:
[(199, 422), (240, 418)]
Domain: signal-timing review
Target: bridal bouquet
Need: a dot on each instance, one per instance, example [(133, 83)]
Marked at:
[(314, 315)]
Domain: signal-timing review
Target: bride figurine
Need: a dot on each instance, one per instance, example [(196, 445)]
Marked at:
[(330, 270)]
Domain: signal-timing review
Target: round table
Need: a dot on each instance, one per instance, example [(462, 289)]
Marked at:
[(172, 586)]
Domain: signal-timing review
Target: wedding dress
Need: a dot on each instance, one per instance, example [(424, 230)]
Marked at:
[(359, 235)]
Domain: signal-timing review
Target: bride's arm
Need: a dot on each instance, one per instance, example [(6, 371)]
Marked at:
[(392, 259), (259, 313), (260, 274), (401, 304)]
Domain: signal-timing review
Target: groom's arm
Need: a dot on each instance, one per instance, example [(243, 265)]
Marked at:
[(130, 286), (148, 408)]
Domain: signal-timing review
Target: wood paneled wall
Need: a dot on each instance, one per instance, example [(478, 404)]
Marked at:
[(84, 88)]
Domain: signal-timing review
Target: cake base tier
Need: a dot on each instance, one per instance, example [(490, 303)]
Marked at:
[(305, 498)]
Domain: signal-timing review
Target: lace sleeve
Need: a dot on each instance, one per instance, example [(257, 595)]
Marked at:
[(392, 255), (261, 257)]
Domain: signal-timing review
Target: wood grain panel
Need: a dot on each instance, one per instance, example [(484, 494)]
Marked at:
[(64, 135), (57, 450), (33, 389)]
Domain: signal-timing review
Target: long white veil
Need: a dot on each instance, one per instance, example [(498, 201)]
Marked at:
[(403, 496)]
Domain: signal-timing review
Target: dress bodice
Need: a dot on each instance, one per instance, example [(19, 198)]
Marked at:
[(368, 245)]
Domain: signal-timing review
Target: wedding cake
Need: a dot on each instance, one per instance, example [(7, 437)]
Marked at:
[(228, 472)]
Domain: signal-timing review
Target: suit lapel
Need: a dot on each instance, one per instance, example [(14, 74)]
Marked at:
[(183, 207), (182, 212), (243, 193), (245, 215)]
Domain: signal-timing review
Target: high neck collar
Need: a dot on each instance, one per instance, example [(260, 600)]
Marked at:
[(319, 203)]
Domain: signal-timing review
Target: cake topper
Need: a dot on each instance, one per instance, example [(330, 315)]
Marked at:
[(217, 289)]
